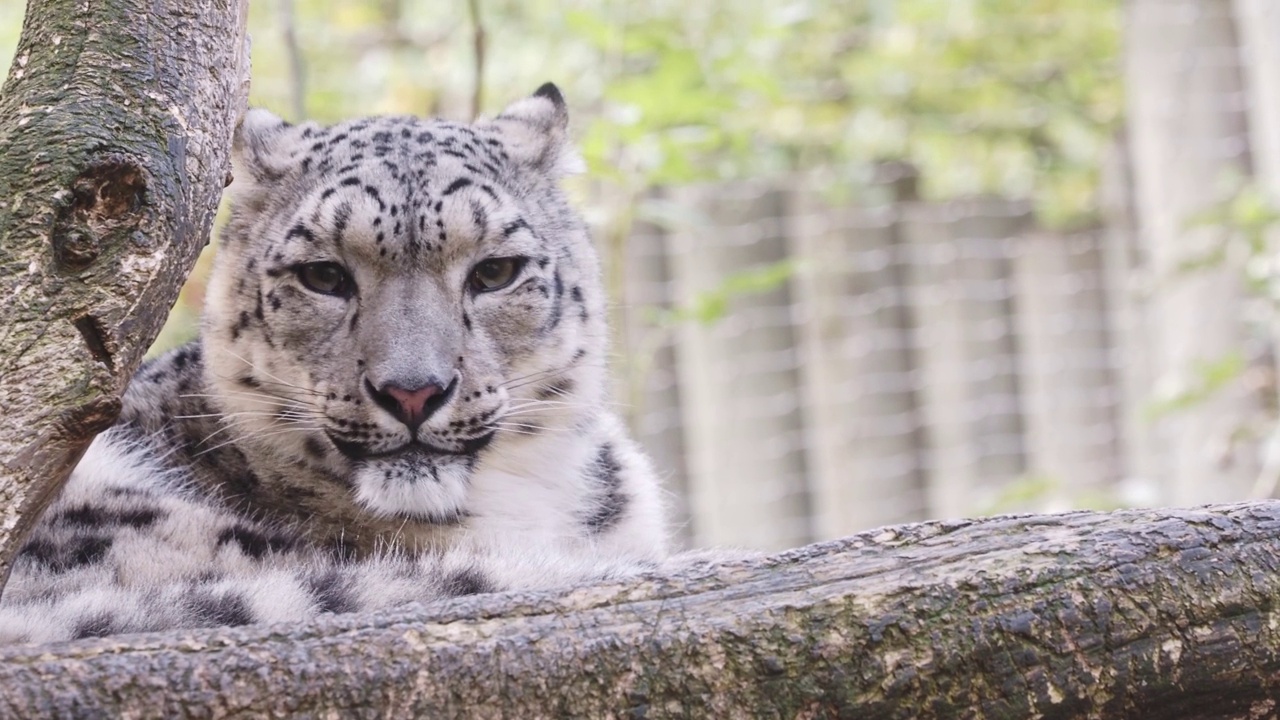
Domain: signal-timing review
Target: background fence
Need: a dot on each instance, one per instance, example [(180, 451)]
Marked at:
[(890, 362), (875, 261), (885, 359)]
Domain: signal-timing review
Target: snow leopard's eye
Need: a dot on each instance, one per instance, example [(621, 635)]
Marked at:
[(495, 273), (327, 278)]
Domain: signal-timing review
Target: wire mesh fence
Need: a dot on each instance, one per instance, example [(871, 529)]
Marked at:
[(888, 363), (827, 365), (873, 364)]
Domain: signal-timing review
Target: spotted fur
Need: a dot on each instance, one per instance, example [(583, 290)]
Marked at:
[(269, 472)]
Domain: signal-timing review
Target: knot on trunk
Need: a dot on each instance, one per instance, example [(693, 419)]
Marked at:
[(86, 420), (106, 203)]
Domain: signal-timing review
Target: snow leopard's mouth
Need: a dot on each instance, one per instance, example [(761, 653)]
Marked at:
[(360, 452)]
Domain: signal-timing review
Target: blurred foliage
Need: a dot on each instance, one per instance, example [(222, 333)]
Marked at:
[(1246, 220), (1241, 226), (1206, 379), (1013, 97), (1010, 97), (710, 306), (1243, 230), (1037, 493)]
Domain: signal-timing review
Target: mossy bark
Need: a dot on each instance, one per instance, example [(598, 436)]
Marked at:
[(115, 129), (1152, 614)]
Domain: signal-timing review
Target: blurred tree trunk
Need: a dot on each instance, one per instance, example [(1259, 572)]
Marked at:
[(1065, 370), (115, 129), (1189, 140), (1152, 614), (862, 419), (1259, 26), (963, 339)]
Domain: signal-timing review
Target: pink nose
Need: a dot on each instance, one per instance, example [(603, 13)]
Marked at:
[(412, 403)]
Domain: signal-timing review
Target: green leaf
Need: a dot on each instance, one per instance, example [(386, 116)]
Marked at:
[(1208, 379), (710, 306)]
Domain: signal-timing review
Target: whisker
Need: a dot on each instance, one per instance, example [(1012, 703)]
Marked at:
[(265, 435), (551, 371), (528, 411), (299, 388), (255, 397), (539, 408), (535, 372), (237, 421), (522, 382), (555, 391), (528, 430), (255, 367), (243, 394), (569, 394), (243, 413), (265, 396), (528, 402)]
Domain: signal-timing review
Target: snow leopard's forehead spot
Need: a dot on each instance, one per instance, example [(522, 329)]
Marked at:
[(400, 200), (412, 187), (401, 192)]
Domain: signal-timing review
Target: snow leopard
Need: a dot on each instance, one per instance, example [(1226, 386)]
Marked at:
[(398, 394)]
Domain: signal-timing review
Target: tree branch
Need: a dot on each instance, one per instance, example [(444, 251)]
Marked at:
[(115, 129), (293, 55), (478, 57), (1157, 614)]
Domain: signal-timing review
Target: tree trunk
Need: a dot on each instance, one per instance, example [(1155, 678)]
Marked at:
[(1187, 129), (115, 129), (1153, 614), (1258, 22)]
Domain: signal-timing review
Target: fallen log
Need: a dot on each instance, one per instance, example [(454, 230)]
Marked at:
[(1151, 613)]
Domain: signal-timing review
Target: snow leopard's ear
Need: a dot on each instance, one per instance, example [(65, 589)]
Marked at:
[(536, 132), (264, 146)]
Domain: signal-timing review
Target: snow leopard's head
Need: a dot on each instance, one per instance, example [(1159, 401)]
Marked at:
[(393, 295)]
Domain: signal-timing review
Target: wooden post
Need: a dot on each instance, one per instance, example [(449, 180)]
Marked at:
[(738, 375), (959, 294), (1130, 325), (1065, 360), (860, 409), (647, 377), (986, 232), (1259, 26)]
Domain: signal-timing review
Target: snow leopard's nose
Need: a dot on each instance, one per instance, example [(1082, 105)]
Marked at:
[(412, 406)]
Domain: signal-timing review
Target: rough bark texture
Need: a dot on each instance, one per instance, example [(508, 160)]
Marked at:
[(115, 128), (1152, 614)]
